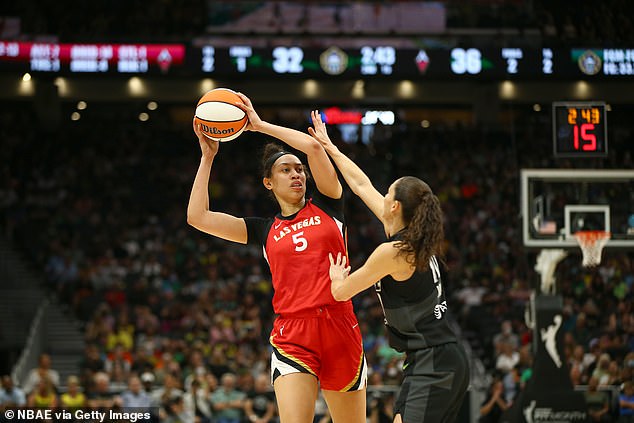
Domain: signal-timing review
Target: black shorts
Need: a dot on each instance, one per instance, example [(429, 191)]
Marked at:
[(434, 385)]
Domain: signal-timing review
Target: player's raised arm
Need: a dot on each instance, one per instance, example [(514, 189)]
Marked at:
[(199, 215), (320, 165), (356, 179)]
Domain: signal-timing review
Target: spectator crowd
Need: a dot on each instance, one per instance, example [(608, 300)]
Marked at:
[(584, 23), (178, 321)]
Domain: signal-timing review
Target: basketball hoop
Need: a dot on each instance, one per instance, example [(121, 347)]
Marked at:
[(592, 243)]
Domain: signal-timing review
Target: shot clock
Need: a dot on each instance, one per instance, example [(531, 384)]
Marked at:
[(579, 129)]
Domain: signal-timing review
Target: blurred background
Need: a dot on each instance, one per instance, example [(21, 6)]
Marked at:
[(104, 287)]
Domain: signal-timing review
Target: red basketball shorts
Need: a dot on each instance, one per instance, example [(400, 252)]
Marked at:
[(325, 342)]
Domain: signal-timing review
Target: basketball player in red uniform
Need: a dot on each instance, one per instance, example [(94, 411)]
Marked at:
[(316, 340)]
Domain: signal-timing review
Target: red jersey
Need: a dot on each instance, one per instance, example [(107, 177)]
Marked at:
[(296, 248)]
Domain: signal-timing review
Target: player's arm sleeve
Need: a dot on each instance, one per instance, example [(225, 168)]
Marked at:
[(257, 229)]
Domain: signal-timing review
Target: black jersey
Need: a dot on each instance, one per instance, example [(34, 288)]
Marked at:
[(415, 309)]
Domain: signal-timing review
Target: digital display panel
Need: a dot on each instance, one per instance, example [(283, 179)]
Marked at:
[(432, 63), (580, 129), (382, 61), (91, 58)]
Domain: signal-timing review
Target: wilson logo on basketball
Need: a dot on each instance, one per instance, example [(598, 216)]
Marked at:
[(212, 130)]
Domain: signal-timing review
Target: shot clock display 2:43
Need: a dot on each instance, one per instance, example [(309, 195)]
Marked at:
[(580, 129)]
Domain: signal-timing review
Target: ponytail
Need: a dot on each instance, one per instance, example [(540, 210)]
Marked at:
[(423, 235)]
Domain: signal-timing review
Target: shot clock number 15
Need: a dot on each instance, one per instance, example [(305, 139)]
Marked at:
[(579, 129)]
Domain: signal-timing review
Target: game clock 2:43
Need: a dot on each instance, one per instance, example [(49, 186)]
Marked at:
[(580, 129)]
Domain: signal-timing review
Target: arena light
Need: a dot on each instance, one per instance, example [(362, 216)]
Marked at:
[(207, 84), (26, 77), (152, 105), (537, 107), (62, 85), (143, 117), (424, 123), (406, 89), (311, 88), (75, 116), (81, 105), (26, 86), (507, 90), (358, 89), (136, 86), (582, 89)]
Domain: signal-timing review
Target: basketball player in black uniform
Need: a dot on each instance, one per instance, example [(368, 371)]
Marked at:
[(406, 275)]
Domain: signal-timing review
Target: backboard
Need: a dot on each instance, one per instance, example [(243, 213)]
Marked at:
[(557, 203)]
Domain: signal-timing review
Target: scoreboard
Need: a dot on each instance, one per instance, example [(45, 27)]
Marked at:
[(434, 63), (580, 129), (384, 61), (90, 58)]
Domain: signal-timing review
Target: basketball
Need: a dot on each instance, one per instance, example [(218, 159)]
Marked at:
[(219, 117)]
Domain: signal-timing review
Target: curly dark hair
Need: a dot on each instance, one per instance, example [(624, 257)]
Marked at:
[(424, 233)]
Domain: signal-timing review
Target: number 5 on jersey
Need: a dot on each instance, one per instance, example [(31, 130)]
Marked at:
[(300, 242)]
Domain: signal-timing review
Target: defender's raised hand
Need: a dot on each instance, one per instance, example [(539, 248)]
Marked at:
[(319, 132)]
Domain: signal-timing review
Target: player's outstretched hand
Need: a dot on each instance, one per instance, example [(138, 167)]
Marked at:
[(338, 273), (338, 269), (255, 122), (319, 131), (208, 147)]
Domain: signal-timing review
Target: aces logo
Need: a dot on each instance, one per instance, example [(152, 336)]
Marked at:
[(422, 61)]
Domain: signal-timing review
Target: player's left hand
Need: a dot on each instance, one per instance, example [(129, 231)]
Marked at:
[(319, 132), (338, 269), (255, 122)]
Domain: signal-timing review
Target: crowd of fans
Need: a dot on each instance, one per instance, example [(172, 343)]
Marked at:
[(607, 23), (586, 23), (179, 321), (116, 20)]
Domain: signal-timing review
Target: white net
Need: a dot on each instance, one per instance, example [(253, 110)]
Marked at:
[(592, 243)]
